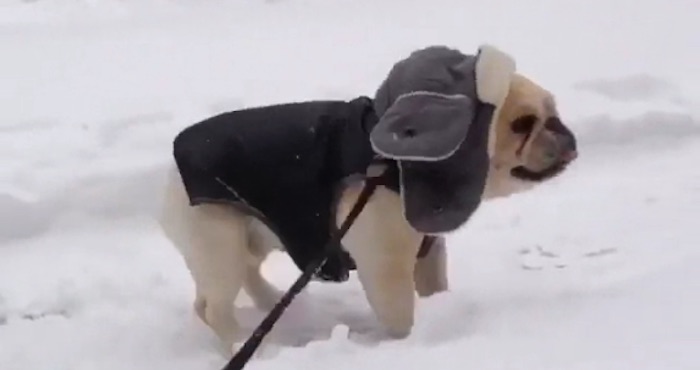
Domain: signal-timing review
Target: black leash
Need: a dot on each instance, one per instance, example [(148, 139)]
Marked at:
[(241, 358)]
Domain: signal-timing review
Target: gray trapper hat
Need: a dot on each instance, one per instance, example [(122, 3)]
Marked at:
[(436, 108)]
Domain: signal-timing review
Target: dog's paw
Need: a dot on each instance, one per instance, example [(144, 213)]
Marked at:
[(334, 270)]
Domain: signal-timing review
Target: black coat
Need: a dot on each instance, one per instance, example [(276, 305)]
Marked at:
[(284, 164)]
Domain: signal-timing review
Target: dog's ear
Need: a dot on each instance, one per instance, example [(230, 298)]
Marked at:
[(423, 126)]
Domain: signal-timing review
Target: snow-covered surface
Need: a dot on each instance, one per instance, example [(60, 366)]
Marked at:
[(597, 270)]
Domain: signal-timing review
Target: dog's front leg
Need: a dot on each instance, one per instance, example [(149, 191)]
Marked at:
[(384, 248), (387, 279), (431, 270)]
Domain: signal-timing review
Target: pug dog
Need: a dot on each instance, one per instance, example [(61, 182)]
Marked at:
[(224, 246)]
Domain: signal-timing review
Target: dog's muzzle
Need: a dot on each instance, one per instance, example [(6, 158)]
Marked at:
[(562, 153)]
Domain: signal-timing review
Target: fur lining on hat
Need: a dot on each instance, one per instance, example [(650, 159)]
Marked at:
[(494, 70)]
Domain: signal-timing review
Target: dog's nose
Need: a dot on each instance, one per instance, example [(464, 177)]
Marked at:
[(568, 142), (569, 151), (569, 156)]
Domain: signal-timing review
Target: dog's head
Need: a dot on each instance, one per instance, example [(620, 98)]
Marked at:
[(463, 127), (531, 144)]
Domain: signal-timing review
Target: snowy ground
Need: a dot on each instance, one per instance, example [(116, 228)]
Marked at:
[(597, 270)]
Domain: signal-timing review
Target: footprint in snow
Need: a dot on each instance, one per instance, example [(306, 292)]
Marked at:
[(42, 315), (538, 259)]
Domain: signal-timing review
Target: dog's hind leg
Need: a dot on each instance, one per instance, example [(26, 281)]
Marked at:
[(217, 260), (261, 242), (213, 241)]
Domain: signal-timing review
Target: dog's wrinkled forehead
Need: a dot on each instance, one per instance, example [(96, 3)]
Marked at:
[(526, 94)]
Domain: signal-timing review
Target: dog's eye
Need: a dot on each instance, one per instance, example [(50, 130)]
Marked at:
[(524, 124)]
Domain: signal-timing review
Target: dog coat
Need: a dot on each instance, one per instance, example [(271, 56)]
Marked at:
[(283, 164), (286, 163)]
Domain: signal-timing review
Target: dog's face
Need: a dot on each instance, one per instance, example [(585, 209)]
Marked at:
[(532, 144)]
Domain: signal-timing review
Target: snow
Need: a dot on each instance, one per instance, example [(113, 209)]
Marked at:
[(596, 270)]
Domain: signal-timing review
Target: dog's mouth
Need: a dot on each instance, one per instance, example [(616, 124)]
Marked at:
[(526, 174)]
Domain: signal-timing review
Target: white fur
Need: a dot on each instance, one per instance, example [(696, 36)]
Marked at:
[(494, 70)]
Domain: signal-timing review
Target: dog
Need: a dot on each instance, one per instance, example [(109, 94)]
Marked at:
[(224, 247)]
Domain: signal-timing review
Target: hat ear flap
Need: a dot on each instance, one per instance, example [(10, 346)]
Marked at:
[(440, 196), (423, 126)]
